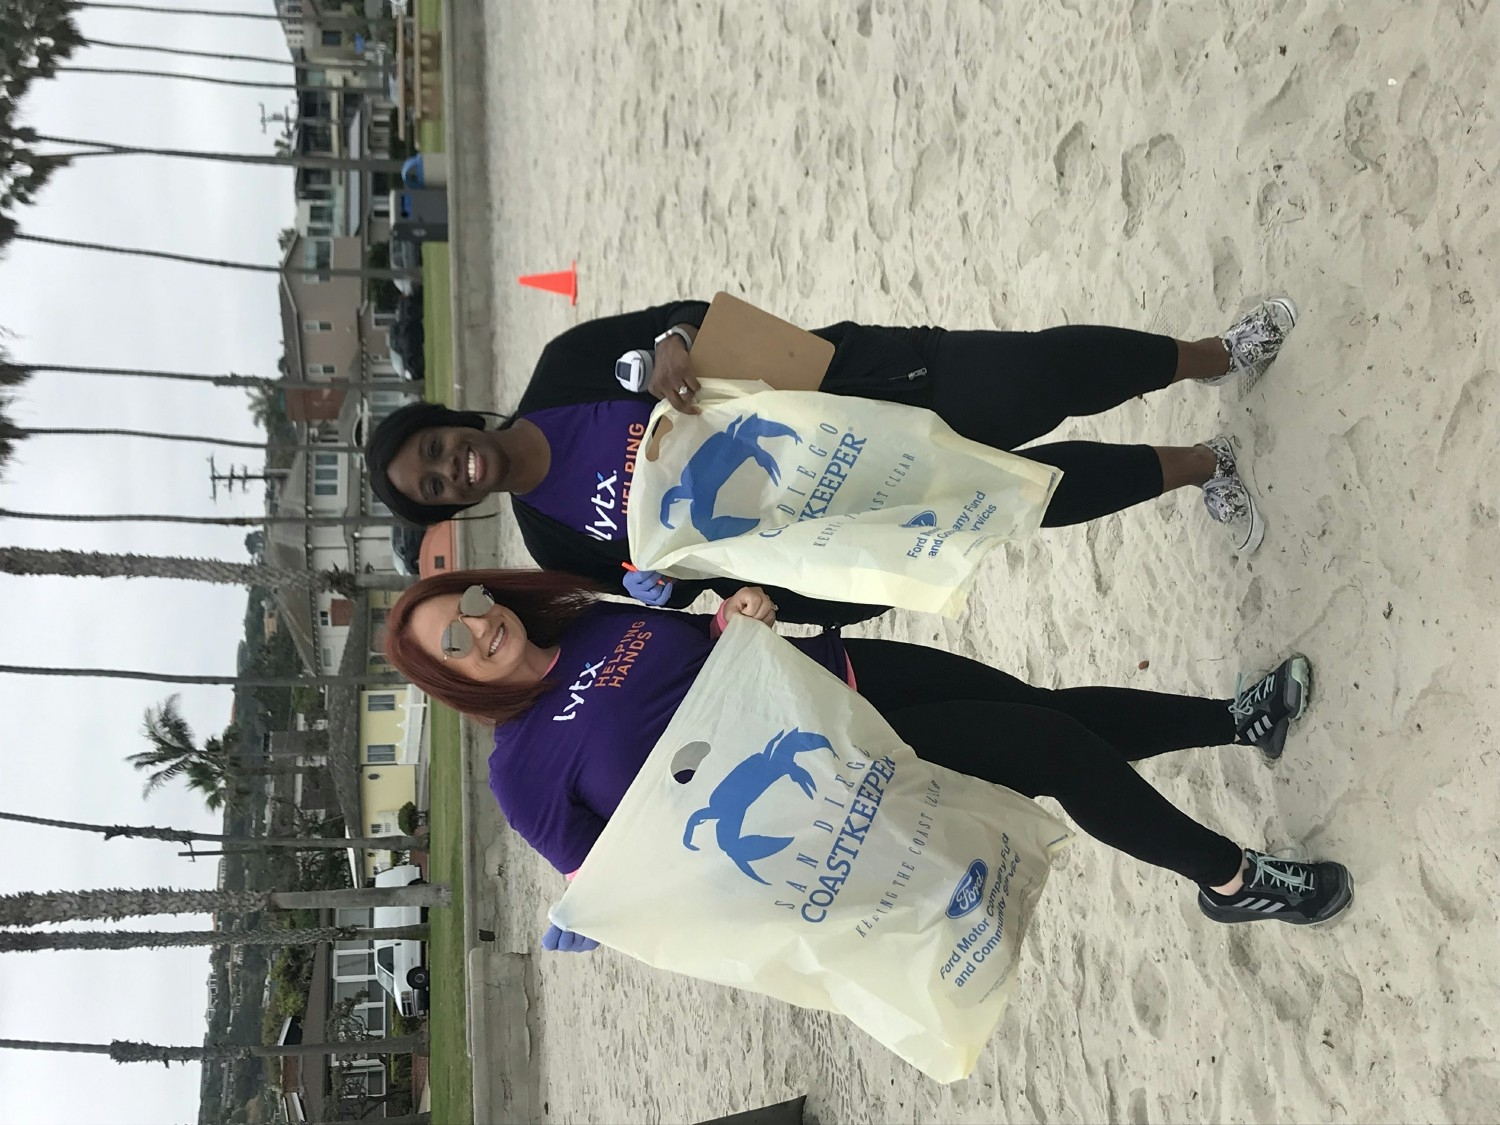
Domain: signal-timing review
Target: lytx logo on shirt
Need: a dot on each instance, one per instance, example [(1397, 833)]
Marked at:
[(609, 672), (612, 490)]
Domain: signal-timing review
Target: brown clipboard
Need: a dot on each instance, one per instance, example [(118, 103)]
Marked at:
[(739, 341)]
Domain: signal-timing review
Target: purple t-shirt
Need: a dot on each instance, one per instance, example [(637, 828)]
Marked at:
[(560, 770), (594, 446)]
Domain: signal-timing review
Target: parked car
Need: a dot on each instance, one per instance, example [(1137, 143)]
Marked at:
[(406, 549), (400, 963), (406, 255), (407, 338)]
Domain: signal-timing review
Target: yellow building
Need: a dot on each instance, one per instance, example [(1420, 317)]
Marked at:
[(391, 750)]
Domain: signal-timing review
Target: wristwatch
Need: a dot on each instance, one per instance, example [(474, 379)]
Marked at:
[(676, 330)]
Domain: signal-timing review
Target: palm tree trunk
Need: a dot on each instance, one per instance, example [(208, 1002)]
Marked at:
[(291, 160), (37, 941), (7, 430), (365, 273), (178, 11), (372, 678), (324, 19), (292, 87), (25, 370), (30, 562), (182, 836), (207, 521), (124, 1051), (115, 44), (40, 908)]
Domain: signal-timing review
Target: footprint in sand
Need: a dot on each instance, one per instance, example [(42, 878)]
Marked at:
[(1471, 1090), (1148, 174), (1364, 135), (1226, 271), (1149, 997), (1079, 172)]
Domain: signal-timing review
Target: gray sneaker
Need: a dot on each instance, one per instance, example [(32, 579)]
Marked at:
[(1283, 890), (1228, 500), (1255, 339)]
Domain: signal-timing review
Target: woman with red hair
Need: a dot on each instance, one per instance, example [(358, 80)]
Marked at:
[(579, 691)]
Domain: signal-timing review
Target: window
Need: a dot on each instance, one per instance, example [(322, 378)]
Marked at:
[(321, 370), (357, 963), (318, 254), (323, 618), (327, 657), (375, 1018), (317, 326), (385, 701), (333, 38), (380, 754), (320, 213), (325, 474)]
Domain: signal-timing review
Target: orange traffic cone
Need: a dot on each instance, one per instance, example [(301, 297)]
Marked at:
[(564, 282)]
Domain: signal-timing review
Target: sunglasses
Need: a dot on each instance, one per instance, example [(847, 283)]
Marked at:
[(458, 641)]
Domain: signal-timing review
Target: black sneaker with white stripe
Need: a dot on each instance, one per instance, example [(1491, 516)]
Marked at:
[(1263, 713), (1302, 894)]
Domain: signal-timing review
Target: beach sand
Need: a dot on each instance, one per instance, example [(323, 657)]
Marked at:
[(1150, 165)]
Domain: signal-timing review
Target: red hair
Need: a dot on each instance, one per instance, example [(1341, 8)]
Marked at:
[(546, 601)]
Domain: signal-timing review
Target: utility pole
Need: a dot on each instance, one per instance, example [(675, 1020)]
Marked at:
[(266, 118), (237, 475)]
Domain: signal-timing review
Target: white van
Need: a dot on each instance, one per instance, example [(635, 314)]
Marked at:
[(399, 962)]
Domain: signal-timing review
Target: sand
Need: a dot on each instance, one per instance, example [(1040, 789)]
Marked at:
[(1151, 165)]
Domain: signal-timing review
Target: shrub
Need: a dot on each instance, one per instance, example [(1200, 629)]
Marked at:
[(408, 818)]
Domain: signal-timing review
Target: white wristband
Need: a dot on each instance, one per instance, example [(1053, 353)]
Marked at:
[(680, 332)]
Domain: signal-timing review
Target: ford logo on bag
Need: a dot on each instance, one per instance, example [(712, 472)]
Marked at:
[(970, 890)]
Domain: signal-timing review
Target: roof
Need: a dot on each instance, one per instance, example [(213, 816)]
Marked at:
[(286, 547), (342, 703)]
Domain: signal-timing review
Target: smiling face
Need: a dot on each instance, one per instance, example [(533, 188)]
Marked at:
[(500, 652), (448, 465)]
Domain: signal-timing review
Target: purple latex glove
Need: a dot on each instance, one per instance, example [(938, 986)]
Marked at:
[(565, 941), (648, 586)]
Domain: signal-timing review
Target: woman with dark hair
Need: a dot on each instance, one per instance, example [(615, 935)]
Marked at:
[(565, 457), (580, 690)]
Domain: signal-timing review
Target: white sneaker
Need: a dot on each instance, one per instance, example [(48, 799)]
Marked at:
[(1255, 339), (1229, 501)]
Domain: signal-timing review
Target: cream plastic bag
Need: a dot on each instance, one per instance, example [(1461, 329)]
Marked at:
[(814, 858), (835, 497)]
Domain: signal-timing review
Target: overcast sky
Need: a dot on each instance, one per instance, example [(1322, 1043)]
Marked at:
[(66, 738)]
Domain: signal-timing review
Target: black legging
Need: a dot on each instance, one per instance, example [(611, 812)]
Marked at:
[(1072, 744), (1008, 388)]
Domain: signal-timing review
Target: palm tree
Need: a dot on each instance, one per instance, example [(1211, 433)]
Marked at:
[(125, 1051), (252, 382), (291, 87), (9, 431), (266, 60), (174, 752), (324, 19), (183, 836), (39, 908), (232, 15), (206, 521), (290, 160), (35, 941), (30, 562), (357, 680), (365, 272)]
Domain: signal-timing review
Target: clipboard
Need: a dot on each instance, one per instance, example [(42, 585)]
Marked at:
[(739, 341)]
